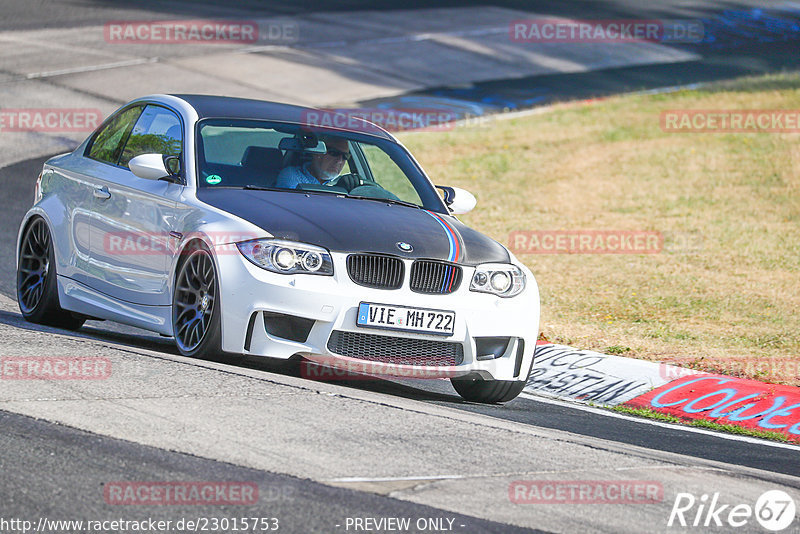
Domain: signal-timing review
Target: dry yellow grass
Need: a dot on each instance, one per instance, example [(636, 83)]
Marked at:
[(727, 306)]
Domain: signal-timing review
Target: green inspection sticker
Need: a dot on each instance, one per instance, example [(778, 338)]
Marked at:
[(213, 179)]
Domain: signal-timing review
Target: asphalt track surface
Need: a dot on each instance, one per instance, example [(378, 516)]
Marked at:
[(81, 463), (50, 470), (748, 52), (24, 14)]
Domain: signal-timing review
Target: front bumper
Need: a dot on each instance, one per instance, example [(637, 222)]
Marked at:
[(329, 304)]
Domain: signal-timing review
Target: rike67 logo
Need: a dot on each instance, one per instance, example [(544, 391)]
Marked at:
[(774, 510)]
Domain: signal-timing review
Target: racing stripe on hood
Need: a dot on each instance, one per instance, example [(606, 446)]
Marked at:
[(452, 237)]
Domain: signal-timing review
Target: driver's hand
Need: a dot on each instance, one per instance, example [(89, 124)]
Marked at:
[(348, 181)]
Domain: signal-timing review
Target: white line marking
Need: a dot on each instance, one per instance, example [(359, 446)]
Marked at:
[(60, 45), (609, 413), (414, 37), (396, 479), (91, 68), (517, 474)]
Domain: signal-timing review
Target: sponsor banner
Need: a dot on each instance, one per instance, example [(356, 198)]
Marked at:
[(727, 400), (589, 376), (585, 492)]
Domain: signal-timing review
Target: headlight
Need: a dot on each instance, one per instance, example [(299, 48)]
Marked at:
[(287, 257), (501, 279)]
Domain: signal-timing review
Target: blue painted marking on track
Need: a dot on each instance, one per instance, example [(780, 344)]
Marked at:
[(736, 28)]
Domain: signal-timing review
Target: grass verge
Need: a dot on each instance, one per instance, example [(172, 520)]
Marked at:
[(722, 295), (702, 423)]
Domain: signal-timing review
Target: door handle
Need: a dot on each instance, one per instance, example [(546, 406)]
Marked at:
[(102, 193)]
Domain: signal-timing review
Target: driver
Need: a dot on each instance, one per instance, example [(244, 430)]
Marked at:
[(320, 169)]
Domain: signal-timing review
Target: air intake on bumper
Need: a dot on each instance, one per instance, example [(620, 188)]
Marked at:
[(398, 350)]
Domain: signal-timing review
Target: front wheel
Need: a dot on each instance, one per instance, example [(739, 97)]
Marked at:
[(37, 286), (487, 391), (196, 322), (195, 307)]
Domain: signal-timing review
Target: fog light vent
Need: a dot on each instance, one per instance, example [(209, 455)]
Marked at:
[(287, 326), (490, 348)]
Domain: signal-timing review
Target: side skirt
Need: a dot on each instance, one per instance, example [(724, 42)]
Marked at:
[(77, 297)]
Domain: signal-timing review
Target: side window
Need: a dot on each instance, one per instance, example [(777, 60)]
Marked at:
[(158, 131), (386, 173), (107, 144)]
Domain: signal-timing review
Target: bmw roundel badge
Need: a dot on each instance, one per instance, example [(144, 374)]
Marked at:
[(405, 247)]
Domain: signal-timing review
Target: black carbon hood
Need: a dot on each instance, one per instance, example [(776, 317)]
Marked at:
[(345, 225)]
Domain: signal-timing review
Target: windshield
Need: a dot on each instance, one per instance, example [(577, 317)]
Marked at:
[(262, 155)]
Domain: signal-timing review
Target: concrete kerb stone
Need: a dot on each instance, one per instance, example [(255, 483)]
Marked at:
[(590, 377)]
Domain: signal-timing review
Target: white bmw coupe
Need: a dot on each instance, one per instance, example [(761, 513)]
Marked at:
[(239, 228)]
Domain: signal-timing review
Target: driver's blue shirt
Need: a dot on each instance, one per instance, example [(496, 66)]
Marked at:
[(291, 177)]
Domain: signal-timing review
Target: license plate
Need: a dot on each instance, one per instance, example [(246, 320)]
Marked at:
[(406, 319)]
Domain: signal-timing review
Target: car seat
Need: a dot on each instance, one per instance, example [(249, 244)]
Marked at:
[(262, 165)]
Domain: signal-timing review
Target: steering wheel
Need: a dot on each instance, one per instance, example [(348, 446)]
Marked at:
[(347, 181)]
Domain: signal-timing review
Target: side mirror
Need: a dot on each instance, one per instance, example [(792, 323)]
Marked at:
[(155, 166), (458, 200), (173, 165)]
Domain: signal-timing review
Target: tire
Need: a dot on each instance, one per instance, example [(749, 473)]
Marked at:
[(196, 312), (37, 285), (487, 391)]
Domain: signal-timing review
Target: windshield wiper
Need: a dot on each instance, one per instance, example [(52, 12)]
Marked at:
[(390, 200), (261, 188), (251, 187)]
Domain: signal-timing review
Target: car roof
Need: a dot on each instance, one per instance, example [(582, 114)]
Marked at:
[(228, 107)]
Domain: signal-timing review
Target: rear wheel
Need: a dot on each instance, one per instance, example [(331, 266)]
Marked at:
[(195, 307), (37, 287), (487, 391)]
